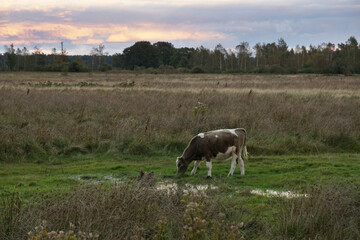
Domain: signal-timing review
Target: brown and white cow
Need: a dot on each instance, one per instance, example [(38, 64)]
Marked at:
[(217, 144)]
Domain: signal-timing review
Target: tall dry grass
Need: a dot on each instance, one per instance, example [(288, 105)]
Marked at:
[(130, 210), (162, 117), (328, 212), (124, 211)]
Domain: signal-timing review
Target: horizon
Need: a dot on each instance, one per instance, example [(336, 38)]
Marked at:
[(81, 26)]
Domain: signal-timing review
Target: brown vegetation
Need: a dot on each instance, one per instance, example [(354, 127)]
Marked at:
[(124, 211), (131, 211), (329, 212), (163, 112)]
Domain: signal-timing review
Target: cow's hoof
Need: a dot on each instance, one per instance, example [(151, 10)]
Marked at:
[(208, 177)]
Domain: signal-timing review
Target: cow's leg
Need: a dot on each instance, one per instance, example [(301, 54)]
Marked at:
[(208, 165), (196, 164), (233, 165), (241, 163)]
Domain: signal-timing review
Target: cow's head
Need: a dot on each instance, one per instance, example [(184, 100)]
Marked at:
[(181, 165)]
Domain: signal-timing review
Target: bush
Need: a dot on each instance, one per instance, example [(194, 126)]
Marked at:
[(197, 70)]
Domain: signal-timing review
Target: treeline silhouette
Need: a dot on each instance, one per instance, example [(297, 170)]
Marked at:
[(163, 57)]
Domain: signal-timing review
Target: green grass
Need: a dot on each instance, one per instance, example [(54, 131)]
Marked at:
[(264, 172)]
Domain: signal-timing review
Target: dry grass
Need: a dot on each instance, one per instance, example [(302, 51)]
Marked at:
[(124, 211), (329, 212), (131, 211), (152, 115)]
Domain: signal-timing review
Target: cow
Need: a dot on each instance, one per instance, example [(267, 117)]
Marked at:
[(217, 144)]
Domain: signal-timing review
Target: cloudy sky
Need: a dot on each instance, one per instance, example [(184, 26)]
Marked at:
[(84, 24)]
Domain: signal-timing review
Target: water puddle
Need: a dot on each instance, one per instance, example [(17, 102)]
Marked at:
[(189, 188), (171, 187), (273, 193)]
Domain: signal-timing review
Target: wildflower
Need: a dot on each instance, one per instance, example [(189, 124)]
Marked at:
[(72, 226)]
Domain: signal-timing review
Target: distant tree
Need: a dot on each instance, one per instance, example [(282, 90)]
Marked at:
[(10, 57), (348, 55), (182, 57), (118, 60), (25, 53), (18, 58), (98, 54), (77, 65), (219, 52), (244, 53), (282, 52), (258, 53), (166, 51), (141, 54)]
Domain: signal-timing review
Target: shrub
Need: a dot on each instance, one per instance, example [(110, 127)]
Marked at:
[(197, 70)]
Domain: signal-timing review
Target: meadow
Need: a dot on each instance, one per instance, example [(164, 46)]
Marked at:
[(72, 145)]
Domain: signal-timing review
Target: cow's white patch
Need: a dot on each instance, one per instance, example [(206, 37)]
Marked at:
[(202, 135), (216, 136), (225, 155), (232, 131)]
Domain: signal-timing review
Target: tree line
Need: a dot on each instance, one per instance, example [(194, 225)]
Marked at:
[(275, 57)]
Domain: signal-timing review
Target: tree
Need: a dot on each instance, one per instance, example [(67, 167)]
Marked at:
[(98, 54), (219, 53), (118, 60), (282, 49), (348, 56), (258, 53), (243, 54), (25, 53), (141, 54), (10, 57), (182, 57), (166, 51)]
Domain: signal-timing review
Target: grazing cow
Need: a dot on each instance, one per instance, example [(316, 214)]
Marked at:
[(218, 144)]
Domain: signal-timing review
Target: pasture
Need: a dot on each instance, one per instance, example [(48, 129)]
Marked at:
[(64, 138)]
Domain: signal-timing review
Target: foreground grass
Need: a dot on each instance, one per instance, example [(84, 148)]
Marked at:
[(63, 190)]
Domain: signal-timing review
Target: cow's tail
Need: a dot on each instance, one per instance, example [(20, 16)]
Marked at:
[(244, 151)]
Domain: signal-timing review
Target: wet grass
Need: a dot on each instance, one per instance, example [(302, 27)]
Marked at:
[(264, 172)]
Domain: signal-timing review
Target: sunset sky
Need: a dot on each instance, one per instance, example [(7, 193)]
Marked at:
[(82, 25)]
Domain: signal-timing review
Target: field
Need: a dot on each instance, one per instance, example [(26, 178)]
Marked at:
[(72, 146)]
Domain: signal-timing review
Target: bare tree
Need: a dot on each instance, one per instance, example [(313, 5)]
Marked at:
[(243, 53), (99, 53)]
